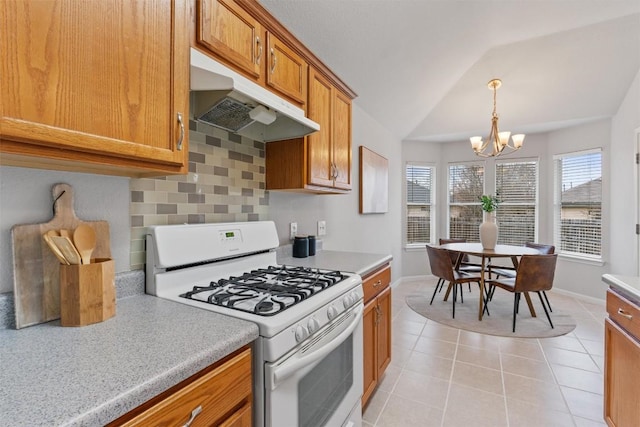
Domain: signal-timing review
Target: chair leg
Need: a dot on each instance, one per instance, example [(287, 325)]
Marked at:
[(547, 300), (455, 291), (435, 291), (516, 302), (461, 294), (545, 310), (486, 301)]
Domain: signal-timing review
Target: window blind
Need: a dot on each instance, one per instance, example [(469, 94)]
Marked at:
[(578, 204), (466, 185), (420, 209), (517, 190)]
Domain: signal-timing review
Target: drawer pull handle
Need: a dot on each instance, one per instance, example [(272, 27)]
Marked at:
[(194, 414), (378, 283), (623, 314)]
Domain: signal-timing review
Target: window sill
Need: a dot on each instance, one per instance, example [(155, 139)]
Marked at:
[(422, 247), (581, 260)]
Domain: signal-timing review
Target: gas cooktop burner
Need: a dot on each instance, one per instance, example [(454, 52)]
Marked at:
[(266, 291)]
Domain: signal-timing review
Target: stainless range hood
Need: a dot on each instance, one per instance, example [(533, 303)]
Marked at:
[(226, 99)]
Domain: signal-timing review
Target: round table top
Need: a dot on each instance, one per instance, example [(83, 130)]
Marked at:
[(499, 251)]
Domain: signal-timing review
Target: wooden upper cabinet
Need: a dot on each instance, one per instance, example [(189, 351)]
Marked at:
[(232, 34), (320, 167), (228, 31), (320, 162), (330, 147), (286, 70), (97, 88)]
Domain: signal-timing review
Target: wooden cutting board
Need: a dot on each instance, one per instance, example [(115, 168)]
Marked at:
[(36, 270)]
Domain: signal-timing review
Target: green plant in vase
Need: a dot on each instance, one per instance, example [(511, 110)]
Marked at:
[(489, 203), (489, 228)]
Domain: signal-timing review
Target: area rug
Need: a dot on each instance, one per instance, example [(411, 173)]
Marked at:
[(499, 322)]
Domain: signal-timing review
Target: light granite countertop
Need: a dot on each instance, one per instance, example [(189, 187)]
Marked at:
[(627, 285), (88, 376), (353, 262)]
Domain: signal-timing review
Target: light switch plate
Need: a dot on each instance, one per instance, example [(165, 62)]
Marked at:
[(293, 230)]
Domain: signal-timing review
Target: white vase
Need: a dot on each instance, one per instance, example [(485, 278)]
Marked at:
[(489, 231)]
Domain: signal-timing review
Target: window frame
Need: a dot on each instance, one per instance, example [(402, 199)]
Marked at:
[(432, 205), (557, 207)]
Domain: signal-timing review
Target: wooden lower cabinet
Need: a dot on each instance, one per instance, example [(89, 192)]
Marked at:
[(218, 396), (622, 362), (376, 329)]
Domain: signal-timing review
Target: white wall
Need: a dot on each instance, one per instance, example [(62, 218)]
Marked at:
[(347, 230), (624, 201), (25, 198)]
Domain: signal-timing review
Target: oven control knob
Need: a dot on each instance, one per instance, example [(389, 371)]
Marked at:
[(301, 333), (313, 325), (332, 312), (347, 301)]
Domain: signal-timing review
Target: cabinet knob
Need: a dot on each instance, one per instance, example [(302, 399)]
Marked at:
[(181, 138), (378, 283)]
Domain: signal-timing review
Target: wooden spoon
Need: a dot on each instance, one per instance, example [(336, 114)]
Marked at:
[(85, 240)]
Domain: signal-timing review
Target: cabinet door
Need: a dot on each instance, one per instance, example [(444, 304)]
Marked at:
[(232, 34), (342, 140), (286, 71), (94, 86), (383, 348), (240, 418), (621, 390), (370, 371), (320, 161)]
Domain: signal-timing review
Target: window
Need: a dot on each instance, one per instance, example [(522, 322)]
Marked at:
[(466, 185), (420, 204), (517, 190), (578, 204)]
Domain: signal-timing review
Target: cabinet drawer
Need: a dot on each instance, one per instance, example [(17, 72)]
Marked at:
[(223, 392), (624, 313), (376, 282)]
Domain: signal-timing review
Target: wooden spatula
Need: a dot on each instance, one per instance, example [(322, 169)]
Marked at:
[(68, 250), (54, 249), (85, 240)]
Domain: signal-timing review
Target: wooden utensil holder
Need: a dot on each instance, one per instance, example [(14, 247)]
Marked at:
[(87, 292)]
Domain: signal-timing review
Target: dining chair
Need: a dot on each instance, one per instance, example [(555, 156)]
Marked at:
[(511, 272), (534, 274), (465, 267), (441, 267)]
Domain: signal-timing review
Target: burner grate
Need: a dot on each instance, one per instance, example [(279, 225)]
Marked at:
[(266, 291)]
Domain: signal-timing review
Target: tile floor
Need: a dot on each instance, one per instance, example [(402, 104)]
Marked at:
[(440, 376)]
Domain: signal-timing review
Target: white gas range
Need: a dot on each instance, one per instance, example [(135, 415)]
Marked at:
[(310, 320)]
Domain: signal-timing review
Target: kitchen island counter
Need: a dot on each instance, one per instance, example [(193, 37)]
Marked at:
[(352, 262), (628, 286), (91, 375)]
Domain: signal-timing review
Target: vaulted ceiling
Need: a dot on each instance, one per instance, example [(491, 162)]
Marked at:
[(421, 67)]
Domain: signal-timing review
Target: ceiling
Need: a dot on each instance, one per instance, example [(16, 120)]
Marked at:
[(421, 67)]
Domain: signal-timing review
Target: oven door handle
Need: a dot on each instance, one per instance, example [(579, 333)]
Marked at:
[(287, 370)]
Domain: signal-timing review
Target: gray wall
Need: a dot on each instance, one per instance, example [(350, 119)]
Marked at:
[(347, 230), (25, 198)]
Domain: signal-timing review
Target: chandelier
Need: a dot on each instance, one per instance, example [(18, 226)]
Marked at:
[(499, 141)]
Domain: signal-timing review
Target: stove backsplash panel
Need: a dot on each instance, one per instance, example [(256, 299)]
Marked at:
[(225, 183)]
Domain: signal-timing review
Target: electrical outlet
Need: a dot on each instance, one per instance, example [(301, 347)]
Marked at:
[(293, 230), (322, 228)]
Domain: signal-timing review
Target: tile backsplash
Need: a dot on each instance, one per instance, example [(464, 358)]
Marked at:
[(225, 183)]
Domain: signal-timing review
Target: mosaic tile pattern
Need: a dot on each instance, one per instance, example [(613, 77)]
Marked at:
[(225, 183)]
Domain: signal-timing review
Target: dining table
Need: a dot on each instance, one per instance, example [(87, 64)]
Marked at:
[(500, 251)]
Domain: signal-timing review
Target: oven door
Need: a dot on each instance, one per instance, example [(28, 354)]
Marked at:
[(319, 383)]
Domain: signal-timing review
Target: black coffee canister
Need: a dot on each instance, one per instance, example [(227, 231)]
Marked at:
[(312, 245), (300, 247)]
